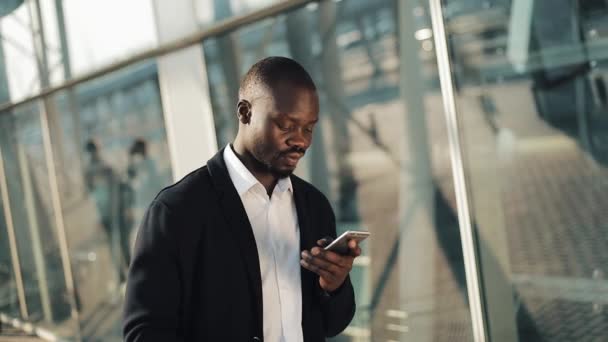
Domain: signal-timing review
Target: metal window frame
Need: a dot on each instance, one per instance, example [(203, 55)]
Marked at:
[(12, 240), (60, 226), (468, 238)]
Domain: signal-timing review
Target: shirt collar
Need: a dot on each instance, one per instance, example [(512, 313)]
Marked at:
[(284, 184), (243, 179)]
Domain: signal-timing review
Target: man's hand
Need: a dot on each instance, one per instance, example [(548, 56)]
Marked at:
[(331, 267)]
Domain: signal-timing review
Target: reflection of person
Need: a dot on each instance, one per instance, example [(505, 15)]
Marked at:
[(136, 192), (126, 218), (103, 185), (143, 176), (218, 255), (101, 182)]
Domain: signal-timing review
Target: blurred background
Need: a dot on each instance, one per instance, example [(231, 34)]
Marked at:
[(470, 137)]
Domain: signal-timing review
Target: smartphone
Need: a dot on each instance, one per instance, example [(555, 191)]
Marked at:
[(340, 244)]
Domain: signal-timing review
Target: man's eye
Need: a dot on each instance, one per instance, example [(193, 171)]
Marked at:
[(284, 128)]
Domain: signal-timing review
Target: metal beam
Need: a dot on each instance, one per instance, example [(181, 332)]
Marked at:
[(417, 233), (333, 86), (468, 239), (58, 213), (34, 227), (299, 41), (12, 240)]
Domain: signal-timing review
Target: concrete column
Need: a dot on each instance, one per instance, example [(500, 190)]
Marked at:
[(184, 91), (76, 165), (230, 63), (418, 243), (300, 48), (50, 106), (347, 210)]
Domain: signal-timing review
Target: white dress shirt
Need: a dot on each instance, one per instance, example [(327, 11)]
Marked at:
[(275, 226)]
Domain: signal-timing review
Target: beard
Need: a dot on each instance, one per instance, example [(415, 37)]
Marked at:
[(265, 155), (264, 159)]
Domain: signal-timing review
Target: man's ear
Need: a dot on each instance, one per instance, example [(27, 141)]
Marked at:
[(243, 109)]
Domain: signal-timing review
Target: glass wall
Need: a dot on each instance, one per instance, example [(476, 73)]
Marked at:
[(531, 98), (47, 42), (8, 289), (111, 158), (47, 300), (379, 154), (208, 12), (81, 165), (113, 128)]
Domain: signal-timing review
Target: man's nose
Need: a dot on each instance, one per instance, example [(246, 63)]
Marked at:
[(300, 139)]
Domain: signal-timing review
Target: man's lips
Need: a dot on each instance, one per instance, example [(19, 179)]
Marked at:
[(292, 158)]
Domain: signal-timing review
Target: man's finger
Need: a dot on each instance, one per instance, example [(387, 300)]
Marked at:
[(316, 269), (325, 241), (344, 261), (355, 250), (320, 262)]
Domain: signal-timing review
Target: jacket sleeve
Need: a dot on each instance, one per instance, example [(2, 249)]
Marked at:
[(338, 307), (152, 298)]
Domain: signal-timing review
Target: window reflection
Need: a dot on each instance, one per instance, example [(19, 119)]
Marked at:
[(531, 93), (124, 163), (46, 298)]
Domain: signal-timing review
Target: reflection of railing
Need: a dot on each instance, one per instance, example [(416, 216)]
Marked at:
[(549, 58), (478, 22), (27, 328)]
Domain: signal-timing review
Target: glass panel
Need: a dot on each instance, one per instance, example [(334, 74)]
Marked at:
[(49, 304), (92, 42), (110, 133), (9, 302), (209, 12), (531, 94), (18, 57), (379, 154), (47, 42)]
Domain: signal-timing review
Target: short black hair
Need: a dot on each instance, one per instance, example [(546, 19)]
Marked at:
[(270, 70), (139, 146), (90, 146)]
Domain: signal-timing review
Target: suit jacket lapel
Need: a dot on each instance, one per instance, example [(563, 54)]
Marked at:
[(307, 241), (236, 216), (303, 211)]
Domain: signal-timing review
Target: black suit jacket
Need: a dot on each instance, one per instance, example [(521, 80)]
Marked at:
[(195, 273)]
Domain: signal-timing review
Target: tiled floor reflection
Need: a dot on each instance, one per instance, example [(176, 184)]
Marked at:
[(553, 198)]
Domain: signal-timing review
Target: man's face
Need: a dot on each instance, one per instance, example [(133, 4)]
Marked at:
[(282, 124)]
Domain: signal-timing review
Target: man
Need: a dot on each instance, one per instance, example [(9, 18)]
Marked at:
[(218, 255)]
